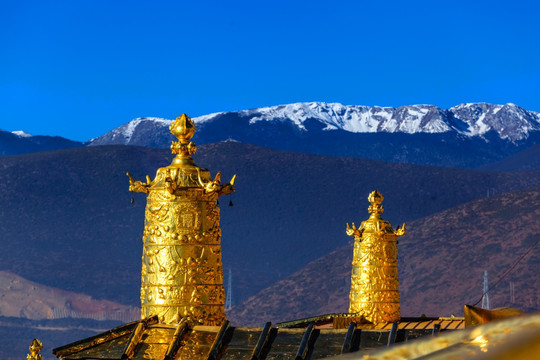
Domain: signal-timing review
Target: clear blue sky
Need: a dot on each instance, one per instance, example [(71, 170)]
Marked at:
[(81, 68)]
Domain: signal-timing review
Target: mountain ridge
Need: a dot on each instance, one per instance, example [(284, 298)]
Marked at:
[(21, 142), (468, 119), (467, 136)]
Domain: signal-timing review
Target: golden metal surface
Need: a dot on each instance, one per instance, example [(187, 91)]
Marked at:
[(374, 280), (34, 348), (515, 338), (476, 316), (196, 345), (182, 274), (115, 336)]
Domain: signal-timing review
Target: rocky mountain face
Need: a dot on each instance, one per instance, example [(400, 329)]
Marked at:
[(467, 135), (19, 142), (441, 264)]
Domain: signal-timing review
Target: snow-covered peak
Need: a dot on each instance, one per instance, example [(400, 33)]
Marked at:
[(469, 119), (21, 133), (509, 121), (139, 131), (352, 118), (126, 131), (133, 124)]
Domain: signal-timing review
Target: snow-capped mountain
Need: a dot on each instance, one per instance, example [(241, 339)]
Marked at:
[(473, 119), (395, 134), (352, 118), (140, 131), (509, 121), (22, 134)]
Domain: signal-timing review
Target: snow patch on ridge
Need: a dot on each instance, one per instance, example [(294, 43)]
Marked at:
[(126, 131), (21, 133)]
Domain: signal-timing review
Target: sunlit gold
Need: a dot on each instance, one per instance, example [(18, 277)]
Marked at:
[(34, 348), (476, 316), (374, 280), (182, 275)]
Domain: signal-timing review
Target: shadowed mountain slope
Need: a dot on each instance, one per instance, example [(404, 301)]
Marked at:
[(528, 159), (441, 263), (67, 221), (13, 144)]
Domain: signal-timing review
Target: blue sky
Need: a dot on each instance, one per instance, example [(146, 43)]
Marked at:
[(81, 68)]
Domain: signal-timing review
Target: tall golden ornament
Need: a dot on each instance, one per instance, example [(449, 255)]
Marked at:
[(182, 274), (374, 280)]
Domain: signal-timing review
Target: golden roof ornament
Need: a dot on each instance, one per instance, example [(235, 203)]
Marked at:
[(34, 349), (182, 273), (183, 128), (374, 279)]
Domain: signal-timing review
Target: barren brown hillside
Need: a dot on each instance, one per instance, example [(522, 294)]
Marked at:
[(442, 259), (21, 298)]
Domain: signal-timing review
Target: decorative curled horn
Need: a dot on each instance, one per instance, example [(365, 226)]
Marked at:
[(350, 230), (400, 231), (131, 180), (217, 179)]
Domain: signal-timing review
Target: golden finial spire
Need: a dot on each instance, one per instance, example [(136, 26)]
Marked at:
[(183, 128), (374, 280), (375, 198), (182, 272), (34, 348)]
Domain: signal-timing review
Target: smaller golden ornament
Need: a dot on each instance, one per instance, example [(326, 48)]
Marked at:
[(374, 279), (34, 348)]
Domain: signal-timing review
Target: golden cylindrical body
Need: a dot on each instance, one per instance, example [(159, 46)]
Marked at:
[(374, 280), (182, 273)]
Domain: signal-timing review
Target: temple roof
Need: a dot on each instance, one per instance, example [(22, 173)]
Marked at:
[(310, 338)]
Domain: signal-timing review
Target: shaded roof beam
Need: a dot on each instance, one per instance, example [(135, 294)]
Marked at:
[(176, 339), (136, 336), (263, 340), (216, 346), (303, 348)]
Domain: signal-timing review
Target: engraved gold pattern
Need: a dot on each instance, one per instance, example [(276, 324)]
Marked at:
[(374, 279), (182, 274)]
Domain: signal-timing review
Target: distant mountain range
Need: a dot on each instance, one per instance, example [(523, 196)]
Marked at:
[(20, 142), (471, 120), (468, 135)]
